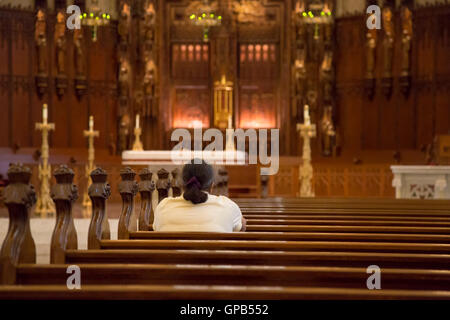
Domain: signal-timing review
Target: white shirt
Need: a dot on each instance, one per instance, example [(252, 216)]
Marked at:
[(217, 214)]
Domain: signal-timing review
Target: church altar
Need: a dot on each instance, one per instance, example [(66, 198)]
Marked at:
[(421, 182), (170, 159)]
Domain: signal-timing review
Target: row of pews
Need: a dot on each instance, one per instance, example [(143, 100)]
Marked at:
[(294, 248)]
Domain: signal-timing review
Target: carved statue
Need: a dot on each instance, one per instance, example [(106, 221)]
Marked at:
[(388, 45), (124, 132), (41, 41), (60, 43), (79, 52), (406, 40), (149, 78), (326, 71), (148, 22), (123, 78), (299, 67), (124, 24), (328, 132), (249, 11)]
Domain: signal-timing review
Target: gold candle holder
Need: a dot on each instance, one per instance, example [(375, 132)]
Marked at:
[(44, 205), (137, 145)]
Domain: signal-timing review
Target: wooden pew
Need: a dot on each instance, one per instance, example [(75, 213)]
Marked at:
[(277, 245), (264, 258), (352, 229), (343, 217), (207, 292), (294, 236), (286, 276), (273, 265), (275, 221)]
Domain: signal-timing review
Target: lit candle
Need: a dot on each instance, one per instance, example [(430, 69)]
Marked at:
[(45, 112), (137, 121), (91, 123), (229, 122)]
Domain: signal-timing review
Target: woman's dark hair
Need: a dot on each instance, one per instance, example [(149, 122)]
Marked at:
[(197, 177)]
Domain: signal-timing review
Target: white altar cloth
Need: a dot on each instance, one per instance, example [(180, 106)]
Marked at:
[(421, 182), (180, 157)]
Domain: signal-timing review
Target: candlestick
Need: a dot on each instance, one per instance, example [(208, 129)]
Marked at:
[(44, 113), (137, 145), (44, 204), (137, 121), (91, 123)]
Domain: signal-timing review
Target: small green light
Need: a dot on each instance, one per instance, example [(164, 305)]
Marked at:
[(108, 16), (199, 18), (192, 16), (305, 14), (84, 15), (204, 15), (92, 15), (219, 17), (212, 15), (81, 16), (322, 13), (104, 16), (329, 13), (96, 18), (310, 14)]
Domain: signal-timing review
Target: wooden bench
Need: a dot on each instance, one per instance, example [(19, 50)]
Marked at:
[(294, 236), (269, 258), (207, 292), (234, 275)]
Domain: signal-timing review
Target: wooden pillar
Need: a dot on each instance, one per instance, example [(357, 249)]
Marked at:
[(18, 246), (163, 185), (98, 191), (146, 188), (64, 193), (128, 188), (175, 183)]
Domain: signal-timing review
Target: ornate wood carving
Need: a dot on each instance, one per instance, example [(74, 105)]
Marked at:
[(18, 245), (79, 62), (40, 37), (64, 193), (312, 79), (371, 44), (388, 49), (249, 11), (175, 183), (98, 191), (128, 188), (124, 75), (148, 48), (299, 65), (163, 184), (146, 188), (407, 32), (60, 53)]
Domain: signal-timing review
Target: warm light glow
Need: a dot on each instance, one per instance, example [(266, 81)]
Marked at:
[(190, 124), (251, 123)]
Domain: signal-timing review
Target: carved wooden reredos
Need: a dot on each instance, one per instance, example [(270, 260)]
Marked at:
[(382, 91)]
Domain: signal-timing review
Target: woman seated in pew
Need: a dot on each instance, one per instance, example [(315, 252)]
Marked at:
[(196, 210)]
